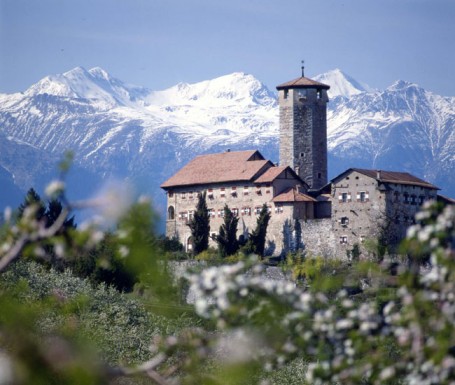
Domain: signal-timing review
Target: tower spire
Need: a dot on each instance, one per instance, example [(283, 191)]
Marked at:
[(303, 68)]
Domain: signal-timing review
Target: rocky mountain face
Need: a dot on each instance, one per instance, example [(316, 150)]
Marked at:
[(126, 132)]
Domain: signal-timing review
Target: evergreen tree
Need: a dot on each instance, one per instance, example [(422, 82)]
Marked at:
[(32, 198), (256, 240), (53, 211), (200, 225), (227, 237)]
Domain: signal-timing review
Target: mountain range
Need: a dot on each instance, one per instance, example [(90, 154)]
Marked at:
[(127, 132)]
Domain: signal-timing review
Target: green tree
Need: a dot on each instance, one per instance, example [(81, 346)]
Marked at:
[(256, 240), (53, 211), (227, 237), (32, 198), (200, 225)]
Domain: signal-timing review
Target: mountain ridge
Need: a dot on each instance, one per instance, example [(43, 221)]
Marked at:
[(130, 132)]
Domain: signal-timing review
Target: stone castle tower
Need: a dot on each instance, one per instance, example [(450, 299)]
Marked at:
[(303, 129)]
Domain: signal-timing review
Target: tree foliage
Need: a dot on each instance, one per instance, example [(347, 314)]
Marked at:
[(256, 240), (200, 225), (227, 237), (390, 332)]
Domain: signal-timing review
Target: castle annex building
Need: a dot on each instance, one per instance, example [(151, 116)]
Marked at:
[(306, 210)]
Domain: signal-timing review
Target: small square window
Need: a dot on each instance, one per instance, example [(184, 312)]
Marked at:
[(344, 221)]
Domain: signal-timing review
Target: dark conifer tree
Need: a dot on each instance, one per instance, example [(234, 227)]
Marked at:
[(256, 240), (32, 198), (227, 237), (200, 225), (54, 209)]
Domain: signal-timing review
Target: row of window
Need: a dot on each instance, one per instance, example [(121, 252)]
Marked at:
[(344, 239), (409, 198), (223, 191), (213, 213), (361, 196)]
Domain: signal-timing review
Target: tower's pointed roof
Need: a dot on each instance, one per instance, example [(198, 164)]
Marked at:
[(302, 82)]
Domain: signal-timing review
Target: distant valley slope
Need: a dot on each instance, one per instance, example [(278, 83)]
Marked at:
[(127, 132)]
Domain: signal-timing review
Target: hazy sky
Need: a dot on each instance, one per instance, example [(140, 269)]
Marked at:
[(158, 43)]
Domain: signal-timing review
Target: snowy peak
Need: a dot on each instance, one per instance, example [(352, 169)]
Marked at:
[(236, 88), (95, 84), (341, 84)]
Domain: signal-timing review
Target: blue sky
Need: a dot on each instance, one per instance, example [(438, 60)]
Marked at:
[(158, 43)]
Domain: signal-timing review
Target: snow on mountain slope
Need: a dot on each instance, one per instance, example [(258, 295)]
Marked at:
[(401, 128), (118, 130), (95, 84), (131, 132), (341, 84)]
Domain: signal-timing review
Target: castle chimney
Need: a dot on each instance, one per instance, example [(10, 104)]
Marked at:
[(378, 174)]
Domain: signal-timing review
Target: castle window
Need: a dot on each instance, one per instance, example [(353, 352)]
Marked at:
[(343, 240), (234, 191), (171, 213), (319, 175), (285, 94), (221, 213), (362, 196), (210, 193), (257, 210), (267, 188), (421, 199), (269, 209), (222, 192), (362, 238), (344, 197), (190, 195), (190, 214), (413, 199), (183, 195), (344, 221), (246, 211), (212, 213), (183, 216), (406, 197), (235, 212), (278, 209), (258, 191), (319, 94), (302, 154), (246, 190), (170, 194)]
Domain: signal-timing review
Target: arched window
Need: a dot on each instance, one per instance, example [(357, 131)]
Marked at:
[(171, 213)]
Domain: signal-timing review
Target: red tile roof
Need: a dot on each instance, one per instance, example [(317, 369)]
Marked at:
[(292, 195), (270, 175), (391, 177), (218, 168), (302, 82)]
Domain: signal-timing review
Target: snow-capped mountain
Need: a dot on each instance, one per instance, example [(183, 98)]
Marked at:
[(128, 132), (342, 84)]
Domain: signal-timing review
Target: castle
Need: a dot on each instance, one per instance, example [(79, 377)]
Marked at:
[(307, 211)]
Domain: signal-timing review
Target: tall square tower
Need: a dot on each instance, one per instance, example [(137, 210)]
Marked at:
[(303, 129)]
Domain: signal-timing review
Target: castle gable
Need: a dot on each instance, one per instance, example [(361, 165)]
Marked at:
[(292, 195), (279, 172)]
